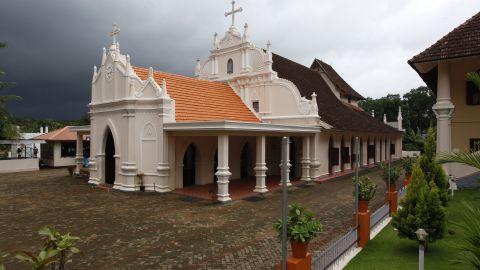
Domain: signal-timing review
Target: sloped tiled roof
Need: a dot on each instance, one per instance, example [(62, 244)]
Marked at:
[(333, 111), (63, 134), (201, 100), (336, 79), (462, 41)]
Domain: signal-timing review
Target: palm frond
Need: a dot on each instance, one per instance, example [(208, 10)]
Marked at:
[(474, 77), (470, 159)]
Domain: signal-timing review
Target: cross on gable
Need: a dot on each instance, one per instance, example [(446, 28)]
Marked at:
[(114, 33), (233, 13)]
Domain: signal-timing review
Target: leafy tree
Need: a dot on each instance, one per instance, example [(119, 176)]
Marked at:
[(421, 208), (7, 129), (386, 105), (433, 170), (413, 141), (417, 110)]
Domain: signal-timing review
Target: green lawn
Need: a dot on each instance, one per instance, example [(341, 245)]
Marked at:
[(388, 251)]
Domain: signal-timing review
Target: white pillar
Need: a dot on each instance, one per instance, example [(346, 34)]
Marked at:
[(163, 167), (79, 154), (128, 165), (260, 166), (377, 151), (92, 162), (314, 159), (305, 162), (443, 109), (382, 149), (223, 171), (288, 163)]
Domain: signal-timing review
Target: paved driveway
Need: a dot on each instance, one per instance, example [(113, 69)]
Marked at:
[(153, 231)]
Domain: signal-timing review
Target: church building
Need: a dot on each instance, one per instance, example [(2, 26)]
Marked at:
[(163, 131)]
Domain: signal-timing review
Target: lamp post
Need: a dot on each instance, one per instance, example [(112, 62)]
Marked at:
[(284, 175), (422, 237)]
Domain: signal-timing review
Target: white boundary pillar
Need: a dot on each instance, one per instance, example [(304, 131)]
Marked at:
[(223, 171), (260, 166), (79, 154)]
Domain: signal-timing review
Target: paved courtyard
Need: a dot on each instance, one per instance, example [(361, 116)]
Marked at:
[(162, 231)]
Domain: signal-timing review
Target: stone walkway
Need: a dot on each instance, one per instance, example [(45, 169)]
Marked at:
[(161, 231)]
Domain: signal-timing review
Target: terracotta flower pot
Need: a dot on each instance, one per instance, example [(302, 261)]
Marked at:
[(299, 249), (363, 206)]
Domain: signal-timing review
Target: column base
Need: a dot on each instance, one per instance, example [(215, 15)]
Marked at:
[(223, 174), (260, 189)]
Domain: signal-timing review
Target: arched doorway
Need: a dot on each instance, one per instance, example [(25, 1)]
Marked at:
[(109, 159), (330, 155), (244, 162), (189, 166)]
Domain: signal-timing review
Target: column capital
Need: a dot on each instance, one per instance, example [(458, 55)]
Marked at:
[(443, 109)]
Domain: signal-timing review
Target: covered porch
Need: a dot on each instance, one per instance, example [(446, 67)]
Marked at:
[(233, 160)]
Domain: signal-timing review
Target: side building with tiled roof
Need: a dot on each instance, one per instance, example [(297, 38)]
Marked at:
[(444, 67), (159, 131)]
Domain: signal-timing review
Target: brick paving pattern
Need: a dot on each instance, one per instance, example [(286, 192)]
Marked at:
[(161, 231)]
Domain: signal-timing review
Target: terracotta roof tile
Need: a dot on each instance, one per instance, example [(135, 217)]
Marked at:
[(462, 41), (63, 134), (201, 100)]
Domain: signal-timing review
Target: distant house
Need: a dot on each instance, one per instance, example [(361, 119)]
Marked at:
[(60, 147), (443, 66)]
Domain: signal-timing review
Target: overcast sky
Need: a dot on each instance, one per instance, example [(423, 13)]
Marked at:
[(54, 44)]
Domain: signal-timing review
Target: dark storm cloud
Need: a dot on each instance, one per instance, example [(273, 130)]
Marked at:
[(53, 45)]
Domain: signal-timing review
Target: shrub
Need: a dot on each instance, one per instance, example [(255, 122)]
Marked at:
[(407, 163), (392, 177), (469, 248), (432, 169), (301, 224), (366, 189), (421, 208)]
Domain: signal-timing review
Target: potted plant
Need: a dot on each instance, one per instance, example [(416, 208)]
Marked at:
[(407, 167), (366, 192), (302, 227)]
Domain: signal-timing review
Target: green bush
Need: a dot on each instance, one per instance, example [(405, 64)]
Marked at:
[(407, 163), (392, 177), (432, 170), (469, 248), (301, 224), (366, 188), (421, 208)]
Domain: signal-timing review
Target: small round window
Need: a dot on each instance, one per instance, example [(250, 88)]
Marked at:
[(230, 66)]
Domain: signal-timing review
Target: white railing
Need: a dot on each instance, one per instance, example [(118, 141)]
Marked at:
[(328, 257), (379, 215)]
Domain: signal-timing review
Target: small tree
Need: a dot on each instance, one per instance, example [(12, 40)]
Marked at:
[(421, 208), (432, 169)]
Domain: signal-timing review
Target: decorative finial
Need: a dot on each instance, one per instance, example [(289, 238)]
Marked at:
[(150, 72), (215, 40), (269, 46), (114, 33), (384, 118), (246, 36), (94, 73), (128, 59), (104, 56), (198, 68), (314, 95), (232, 12)]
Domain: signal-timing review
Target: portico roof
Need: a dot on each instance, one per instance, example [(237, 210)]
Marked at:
[(234, 126)]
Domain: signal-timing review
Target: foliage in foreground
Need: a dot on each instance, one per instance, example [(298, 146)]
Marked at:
[(55, 253), (421, 208), (390, 174), (366, 188), (470, 243), (7, 129), (301, 224), (469, 159)]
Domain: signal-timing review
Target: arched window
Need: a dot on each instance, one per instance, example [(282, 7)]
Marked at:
[(230, 66)]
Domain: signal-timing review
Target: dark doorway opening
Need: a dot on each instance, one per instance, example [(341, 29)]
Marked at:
[(189, 166), (110, 159), (244, 162), (292, 157), (215, 166), (330, 155)]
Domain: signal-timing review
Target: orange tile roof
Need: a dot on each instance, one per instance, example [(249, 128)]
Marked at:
[(63, 134), (201, 100)]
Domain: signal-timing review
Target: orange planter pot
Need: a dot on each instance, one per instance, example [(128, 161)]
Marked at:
[(363, 206), (392, 188), (299, 249)]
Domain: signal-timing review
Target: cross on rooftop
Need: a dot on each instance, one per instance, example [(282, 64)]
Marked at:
[(114, 33), (233, 13)]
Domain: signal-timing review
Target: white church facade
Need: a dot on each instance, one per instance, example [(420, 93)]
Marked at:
[(165, 131)]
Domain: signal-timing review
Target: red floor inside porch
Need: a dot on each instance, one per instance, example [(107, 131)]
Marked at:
[(238, 189)]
